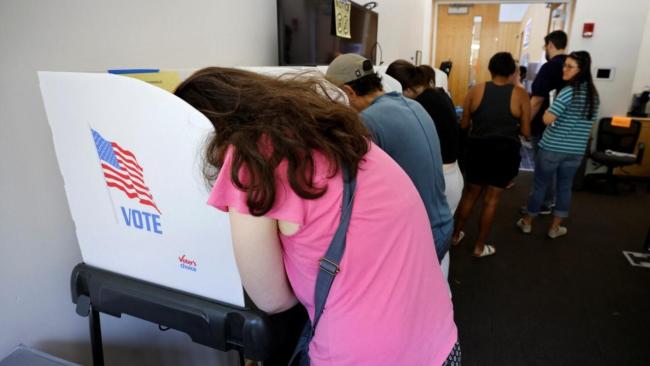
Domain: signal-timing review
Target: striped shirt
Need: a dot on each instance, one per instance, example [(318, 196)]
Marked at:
[(570, 132)]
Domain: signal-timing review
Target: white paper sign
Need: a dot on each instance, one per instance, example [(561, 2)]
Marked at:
[(130, 155)]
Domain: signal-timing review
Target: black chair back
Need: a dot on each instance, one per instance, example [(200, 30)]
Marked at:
[(621, 139)]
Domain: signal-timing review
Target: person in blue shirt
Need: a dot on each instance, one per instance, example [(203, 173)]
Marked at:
[(404, 130), (569, 121), (547, 80)]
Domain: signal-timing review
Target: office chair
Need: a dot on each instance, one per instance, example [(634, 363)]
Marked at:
[(615, 145), (639, 104)]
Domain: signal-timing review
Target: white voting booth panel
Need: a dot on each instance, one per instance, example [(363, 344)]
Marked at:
[(130, 155)]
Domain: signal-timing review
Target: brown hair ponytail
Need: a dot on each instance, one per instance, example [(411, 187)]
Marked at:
[(411, 76)]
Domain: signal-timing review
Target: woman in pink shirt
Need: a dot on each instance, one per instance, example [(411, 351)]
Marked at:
[(279, 146)]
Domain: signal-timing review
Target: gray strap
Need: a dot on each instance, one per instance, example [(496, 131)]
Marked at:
[(329, 267), (329, 264)]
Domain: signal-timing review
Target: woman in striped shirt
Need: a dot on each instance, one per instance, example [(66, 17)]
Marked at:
[(563, 145)]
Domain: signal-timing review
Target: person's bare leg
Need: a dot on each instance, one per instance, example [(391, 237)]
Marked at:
[(555, 223), (528, 220), (467, 202), (490, 203)]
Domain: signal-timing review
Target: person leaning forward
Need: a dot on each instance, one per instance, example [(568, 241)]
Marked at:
[(404, 130)]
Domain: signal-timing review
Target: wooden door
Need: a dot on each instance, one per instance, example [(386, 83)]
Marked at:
[(454, 40), (509, 39)]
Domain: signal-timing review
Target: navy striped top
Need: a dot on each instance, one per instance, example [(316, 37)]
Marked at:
[(570, 132)]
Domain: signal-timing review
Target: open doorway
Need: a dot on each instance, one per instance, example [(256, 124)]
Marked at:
[(468, 34)]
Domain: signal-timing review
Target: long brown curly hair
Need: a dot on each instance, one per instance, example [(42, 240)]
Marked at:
[(271, 119)]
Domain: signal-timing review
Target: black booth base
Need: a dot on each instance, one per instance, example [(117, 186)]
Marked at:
[(249, 331)]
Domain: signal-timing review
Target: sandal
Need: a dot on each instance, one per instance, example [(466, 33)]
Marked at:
[(488, 250), (461, 235)]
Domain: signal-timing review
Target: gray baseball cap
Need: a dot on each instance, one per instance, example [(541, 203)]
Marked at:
[(348, 67)]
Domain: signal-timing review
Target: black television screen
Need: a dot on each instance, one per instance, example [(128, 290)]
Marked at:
[(306, 34)]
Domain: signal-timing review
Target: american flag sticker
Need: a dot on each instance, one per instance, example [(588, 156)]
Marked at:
[(122, 171)]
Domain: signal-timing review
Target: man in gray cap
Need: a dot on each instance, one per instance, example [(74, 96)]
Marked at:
[(404, 129)]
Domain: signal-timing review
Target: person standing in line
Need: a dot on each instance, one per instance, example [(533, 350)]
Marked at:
[(548, 79), (402, 128), (517, 80), (518, 77), (496, 112), (419, 83), (569, 121)]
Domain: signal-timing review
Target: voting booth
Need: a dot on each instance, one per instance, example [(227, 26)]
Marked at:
[(130, 156), (131, 159)]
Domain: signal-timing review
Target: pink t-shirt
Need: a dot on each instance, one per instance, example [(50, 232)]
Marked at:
[(389, 304)]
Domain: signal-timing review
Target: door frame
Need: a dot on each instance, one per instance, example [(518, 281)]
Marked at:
[(433, 32)]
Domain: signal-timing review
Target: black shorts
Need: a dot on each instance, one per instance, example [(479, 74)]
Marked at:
[(492, 161)]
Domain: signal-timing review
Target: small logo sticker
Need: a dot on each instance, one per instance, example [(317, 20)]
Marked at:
[(187, 263)]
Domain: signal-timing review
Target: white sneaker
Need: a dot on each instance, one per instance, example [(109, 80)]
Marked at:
[(525, 228), (560, 231)]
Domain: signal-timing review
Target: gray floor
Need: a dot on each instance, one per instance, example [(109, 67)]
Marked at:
[(571, 301)]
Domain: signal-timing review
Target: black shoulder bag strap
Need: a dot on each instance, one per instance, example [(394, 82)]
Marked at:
[(329, 267)]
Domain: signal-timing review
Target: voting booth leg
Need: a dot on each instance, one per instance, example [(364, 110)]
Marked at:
[(97, 346), (96, 337), (221, 326)]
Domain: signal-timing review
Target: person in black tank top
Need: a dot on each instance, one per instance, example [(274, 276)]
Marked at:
[(498, 112), (493, 117)]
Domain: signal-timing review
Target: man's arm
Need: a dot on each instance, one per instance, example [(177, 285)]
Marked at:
[(535, 105), (540, 89)]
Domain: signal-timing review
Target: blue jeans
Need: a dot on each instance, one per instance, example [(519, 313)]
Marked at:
[(547, 165), (549, 197)]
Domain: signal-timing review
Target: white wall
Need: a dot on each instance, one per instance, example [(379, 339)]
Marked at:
[(402, 28), (512, 12), (428, 30), (616, 43), (642, 76), (538, 15), (37, 240)]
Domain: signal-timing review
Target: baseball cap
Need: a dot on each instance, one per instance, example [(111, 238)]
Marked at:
[(348, 67)]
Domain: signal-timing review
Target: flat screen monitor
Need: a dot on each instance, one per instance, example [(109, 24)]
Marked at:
[(307, 36)]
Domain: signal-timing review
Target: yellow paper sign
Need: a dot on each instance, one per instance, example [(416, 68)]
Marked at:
[(342, 16), (621, 121), (167, 80)]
